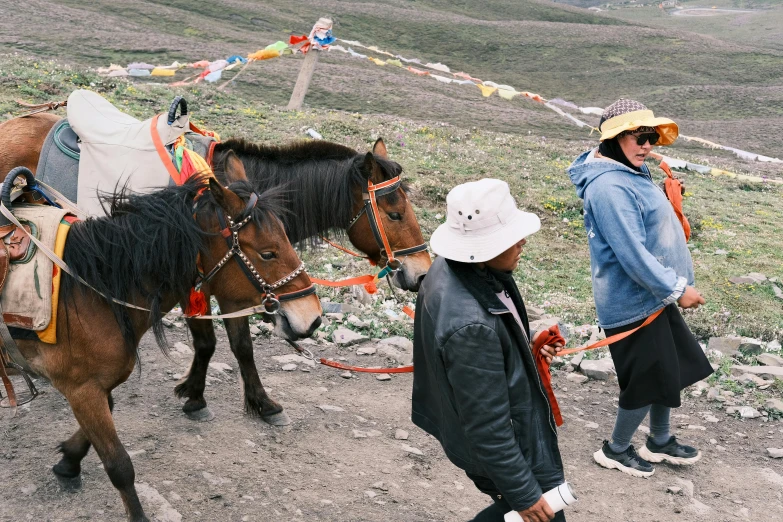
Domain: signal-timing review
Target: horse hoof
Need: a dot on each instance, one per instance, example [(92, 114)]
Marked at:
[(69, 484), (202, 415), (277, 419)]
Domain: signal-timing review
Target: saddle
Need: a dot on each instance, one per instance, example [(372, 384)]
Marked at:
[(99, 148)]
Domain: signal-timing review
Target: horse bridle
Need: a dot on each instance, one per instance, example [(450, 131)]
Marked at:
[(376, 225), (230, 232)]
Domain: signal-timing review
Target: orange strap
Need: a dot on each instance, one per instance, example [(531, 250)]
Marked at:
[(401, 369), (673, 188), (338, 247), (614, 338), (371, 190), (163, 153), (360, 280)]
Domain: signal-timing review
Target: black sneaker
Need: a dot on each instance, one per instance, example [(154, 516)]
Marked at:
[(672, 452), (628, 461)]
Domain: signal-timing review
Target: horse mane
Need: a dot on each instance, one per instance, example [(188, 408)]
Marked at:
[(146, 248), (318, 178)]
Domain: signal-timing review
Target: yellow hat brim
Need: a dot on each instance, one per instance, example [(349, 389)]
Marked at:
[(666, 128)]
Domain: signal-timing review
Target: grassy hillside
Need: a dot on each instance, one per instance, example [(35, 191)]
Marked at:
[(736, 225), (707, 82)]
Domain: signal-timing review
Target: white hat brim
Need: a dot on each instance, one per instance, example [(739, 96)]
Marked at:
[(453, 244)]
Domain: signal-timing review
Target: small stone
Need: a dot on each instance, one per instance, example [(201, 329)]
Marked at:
[(721, 252), (355, 321), (366, 350), (335, 316), (383, 377), (370, 494), (293, 358), (599, 370), (591, 426), (765, 372), (29, 489), (221, 367), (778, 291), (346, 375), (773, 405), (711, 418), (577, 360), (770, 359), (775, 453), (577, 378), (255, 330), (742, 280), (411, 450), (696, 427), (674, 490), (328, 407), (346, 337), (746, 412), (747, 377), (359, 434), (182, 348), (401, 434), (726, 345), (713, 394), (773, 346), (644, 429), (289, 367), (402, 343), (381, 486)]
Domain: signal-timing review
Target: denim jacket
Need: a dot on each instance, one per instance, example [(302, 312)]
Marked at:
[(638, 256)]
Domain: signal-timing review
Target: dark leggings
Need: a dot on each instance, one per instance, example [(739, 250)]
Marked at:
[(499, 507)]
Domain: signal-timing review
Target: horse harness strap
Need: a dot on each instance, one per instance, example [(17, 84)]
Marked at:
[(230, 232), (376, 225), (40, 107)]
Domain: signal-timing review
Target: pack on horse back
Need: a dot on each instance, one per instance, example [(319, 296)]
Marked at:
[(98, 148)]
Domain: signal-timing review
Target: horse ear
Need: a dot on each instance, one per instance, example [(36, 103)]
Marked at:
[(232, 168), (371, 169), (218, 192), (380, 148)]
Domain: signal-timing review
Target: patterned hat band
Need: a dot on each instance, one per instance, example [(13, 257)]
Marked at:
[(637, 130)]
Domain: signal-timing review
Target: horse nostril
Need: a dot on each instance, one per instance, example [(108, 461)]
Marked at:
[(313, 327)]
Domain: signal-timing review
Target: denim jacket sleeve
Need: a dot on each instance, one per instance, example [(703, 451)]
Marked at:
[(475, 369), (618, 215)]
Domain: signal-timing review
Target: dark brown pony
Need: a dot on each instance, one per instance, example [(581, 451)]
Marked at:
[(323, 184), (148, 252)]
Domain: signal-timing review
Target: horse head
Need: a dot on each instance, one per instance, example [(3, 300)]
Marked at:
[(264, 256), (397, 221)]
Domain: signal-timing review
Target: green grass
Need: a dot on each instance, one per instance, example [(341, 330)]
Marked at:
[(741, 218)]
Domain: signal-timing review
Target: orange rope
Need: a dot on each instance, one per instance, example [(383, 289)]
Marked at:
[(338, 247), (614, 338)]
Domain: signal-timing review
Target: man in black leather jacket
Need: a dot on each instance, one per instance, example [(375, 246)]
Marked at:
[(476, 387)]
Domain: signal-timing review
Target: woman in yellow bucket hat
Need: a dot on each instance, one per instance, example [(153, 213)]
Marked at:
[(640, 266)]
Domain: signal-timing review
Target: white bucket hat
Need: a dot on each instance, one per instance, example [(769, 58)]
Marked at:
[(482, 222)]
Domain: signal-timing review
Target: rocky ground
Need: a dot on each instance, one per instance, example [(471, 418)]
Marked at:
[(352, 453)]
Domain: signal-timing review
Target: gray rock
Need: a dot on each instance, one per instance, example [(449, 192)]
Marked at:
[(746, 412), (765, 372), (29, 489), (711, 418), (773, 405), (591, 426), (346, 375), (577, 378), (355, 321), (577, 360), (534, 314), (674, 490), (346, 337), (750, 349), (371, 494), (336, 316), (773, 346), (331, 308), (328, 407), (359, 434), (748, 377), (687, 486), (778, 291), (775, 453), (221, 367), (411, 450), (293, 358), (721, 252), (757, 277), (770, 359), (289, 367), (387, 350), (401, 435), (182, 348), (255, 330), (383, 377), (742, 280), (599, 370), (725, 345), (366, 350), (713, 394), (361, 295), (401, 343)]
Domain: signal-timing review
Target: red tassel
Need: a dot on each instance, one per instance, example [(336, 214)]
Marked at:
[(371, 288), (197, 303)]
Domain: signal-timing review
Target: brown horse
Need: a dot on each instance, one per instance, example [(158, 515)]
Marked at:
[(149, 251), (326, 183)]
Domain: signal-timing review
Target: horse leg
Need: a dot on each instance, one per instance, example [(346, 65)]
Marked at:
[(257, 402), (91, 408), (204, 342), (68, 470)]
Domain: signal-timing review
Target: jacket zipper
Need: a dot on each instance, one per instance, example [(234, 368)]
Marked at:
[(538, 377)]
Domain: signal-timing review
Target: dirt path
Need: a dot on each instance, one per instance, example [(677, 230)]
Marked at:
[(704, 11), (238, 468)]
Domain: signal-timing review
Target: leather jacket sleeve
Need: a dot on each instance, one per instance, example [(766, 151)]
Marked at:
[(475, 369)]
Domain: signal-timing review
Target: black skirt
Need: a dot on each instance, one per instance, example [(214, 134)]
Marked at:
[(657, 362)]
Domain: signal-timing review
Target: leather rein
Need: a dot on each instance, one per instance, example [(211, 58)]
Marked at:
[(376, 225)]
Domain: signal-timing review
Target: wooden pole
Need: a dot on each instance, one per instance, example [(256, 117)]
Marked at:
[(303, 81)]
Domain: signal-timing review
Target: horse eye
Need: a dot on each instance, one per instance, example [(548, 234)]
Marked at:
[(267, 256), (395, 216)]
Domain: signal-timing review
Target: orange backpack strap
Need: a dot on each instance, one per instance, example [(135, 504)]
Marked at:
[(673, 188)]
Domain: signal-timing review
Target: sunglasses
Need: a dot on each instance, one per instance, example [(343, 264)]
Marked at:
[(644, 137)]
